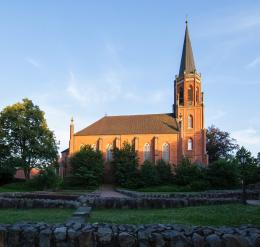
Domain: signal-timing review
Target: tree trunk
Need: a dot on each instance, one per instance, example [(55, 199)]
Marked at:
[(27, 173)]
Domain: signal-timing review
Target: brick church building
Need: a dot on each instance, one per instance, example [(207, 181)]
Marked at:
[(167, 136)]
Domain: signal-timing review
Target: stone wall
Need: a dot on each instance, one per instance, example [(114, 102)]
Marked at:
[(88, 235), (253, 195), (36, 203), (154, 202)]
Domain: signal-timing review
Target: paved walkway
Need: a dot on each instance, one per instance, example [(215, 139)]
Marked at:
[(107, 190), (253, 202)]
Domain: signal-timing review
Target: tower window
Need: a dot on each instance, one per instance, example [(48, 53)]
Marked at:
[(166, 152), (190, 95), (190, 144), (147, 151), (181, 97), (109, 152), (190, 122)]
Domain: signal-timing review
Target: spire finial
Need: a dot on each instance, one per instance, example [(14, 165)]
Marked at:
[(186, 21), (71, 120)]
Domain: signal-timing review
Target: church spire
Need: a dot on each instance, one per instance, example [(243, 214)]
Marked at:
[(187, 60)]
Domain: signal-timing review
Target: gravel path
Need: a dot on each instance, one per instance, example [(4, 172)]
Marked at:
[(107, 190)]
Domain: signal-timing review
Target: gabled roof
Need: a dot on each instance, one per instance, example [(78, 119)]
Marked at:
[(132, 124), (187, 59)]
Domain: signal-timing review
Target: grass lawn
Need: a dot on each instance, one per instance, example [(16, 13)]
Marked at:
[(53, 215), (24, 187), (219, 215), (166, 188)]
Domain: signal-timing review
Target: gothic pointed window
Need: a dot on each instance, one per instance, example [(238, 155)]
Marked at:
[(190, 122), (109, 152), (166, 152), (147, 152), (190, 144), (181, 96), (190, 95)]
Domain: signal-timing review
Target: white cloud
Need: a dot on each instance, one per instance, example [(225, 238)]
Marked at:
[(253, 63), (216, 116), (33, 62), (250, 138)]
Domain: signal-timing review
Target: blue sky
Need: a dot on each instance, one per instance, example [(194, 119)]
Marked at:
[(90, 58)]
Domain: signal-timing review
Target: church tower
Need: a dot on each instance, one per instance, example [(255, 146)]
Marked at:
[(189, 107)]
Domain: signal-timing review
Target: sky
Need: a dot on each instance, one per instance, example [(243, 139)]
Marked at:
[(87, 59)]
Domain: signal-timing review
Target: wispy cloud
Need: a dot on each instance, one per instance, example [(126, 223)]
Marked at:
[(253, 63), (216, 116), (33, 62), (249, 137)]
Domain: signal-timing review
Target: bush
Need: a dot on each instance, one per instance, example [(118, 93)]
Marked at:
[(223, 174), (46, 179), (124, 166), (164, 172), (149, 175), (7, 172), (187, 173), (87, 166)]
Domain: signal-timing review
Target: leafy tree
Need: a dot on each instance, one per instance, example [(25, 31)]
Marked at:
[(164, 172), (223, 174), (149, 174), (125, 162), (258, 159), (219, 144), (87, 166), (249, 171), (187, 173), (23, 129)]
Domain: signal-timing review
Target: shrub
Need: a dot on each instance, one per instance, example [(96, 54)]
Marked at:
[(149, 175), (222, 174), (46, 179), (187, 173), (7, 172), (164, 172), (124, 166), (87, 166)]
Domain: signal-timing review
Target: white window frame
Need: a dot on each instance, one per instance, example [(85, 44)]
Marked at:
[(190, 144), (109, 153), (147, 152), (166, 152)]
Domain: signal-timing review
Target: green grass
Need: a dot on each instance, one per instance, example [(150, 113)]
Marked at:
[(53, 215), (228, 215), (16, 187), (165, 188)]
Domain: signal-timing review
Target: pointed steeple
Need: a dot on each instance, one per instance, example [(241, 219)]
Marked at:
[(187, 60)]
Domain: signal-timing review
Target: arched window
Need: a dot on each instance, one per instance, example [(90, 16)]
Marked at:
[(190, 95), (94, 147), (197, 95), (190, 122), (147, 151), (181, 97), (166, 152), (109, 152), (190, 144)]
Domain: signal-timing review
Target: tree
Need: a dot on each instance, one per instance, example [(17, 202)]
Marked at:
[(87, 166), (249, 171), (26, 137), (149, 174), (258, 159), (125, 162), (164, 172), (219, 144)]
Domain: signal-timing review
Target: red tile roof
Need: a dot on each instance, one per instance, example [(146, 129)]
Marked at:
[(132, 124)]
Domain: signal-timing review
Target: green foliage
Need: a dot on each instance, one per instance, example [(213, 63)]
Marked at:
[(219, 144), (149, 174), (7, 172), (124, 165), (164, 172), (87, 166), (249, 169), (187, 173), (223, 174), (25, 137), (46, 179)]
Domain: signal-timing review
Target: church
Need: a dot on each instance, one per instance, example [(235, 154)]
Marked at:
[(167, 136)]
